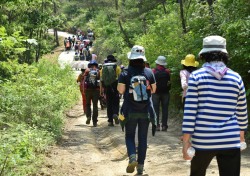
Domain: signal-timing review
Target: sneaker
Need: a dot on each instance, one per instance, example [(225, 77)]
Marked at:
[(94, 124), (88, 120), (158, 128), (110, 124), (115, 117), (131, 166), (139, 169)]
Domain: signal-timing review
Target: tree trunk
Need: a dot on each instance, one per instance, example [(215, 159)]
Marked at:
[(56, 37), (164, 7), (126, 38), (211, 11), (183, 22), (55, 29)]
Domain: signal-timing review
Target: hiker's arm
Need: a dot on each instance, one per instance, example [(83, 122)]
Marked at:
[(101, 88), (153, 88), (186, 144), (121, 88)]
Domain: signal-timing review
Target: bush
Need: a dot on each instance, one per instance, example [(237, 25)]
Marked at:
[(33, 101)]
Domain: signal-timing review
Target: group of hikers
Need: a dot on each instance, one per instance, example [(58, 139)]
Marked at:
[(214, 102), (81, 44)]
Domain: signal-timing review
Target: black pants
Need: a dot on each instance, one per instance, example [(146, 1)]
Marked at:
[(228, 162), (113, 100), (92, 96)]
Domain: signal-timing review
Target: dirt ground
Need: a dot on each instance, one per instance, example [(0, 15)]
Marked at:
[(85, 150), (100, 151)]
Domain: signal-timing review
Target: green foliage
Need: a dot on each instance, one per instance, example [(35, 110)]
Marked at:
[(19, 148), (36, 96)]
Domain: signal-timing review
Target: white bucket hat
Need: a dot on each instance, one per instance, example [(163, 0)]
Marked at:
[(161, 60), (137, 52), (213, 43)]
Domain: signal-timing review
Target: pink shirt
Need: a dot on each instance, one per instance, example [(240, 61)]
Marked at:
[(184, 75)]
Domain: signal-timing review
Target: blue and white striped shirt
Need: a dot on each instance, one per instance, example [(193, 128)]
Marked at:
[(215, 110)]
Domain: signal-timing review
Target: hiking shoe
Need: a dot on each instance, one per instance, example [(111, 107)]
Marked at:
[(164, 128), (88, 120), (139, 169), (115, 117), (110, 124), (158, 128), (131, 166)]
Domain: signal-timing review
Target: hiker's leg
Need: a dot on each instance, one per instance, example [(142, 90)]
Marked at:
[(156, 104), (229, 162), (200, 162), (143, 124), (84, 102), (116, 102), (88, 103), (109, 97), (164, 108), (95, 105), (130, 128)]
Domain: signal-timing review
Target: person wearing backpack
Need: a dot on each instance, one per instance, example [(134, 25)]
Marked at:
[(80, 81), (136, 83), (92, 91), (161, 96), (109, 80)]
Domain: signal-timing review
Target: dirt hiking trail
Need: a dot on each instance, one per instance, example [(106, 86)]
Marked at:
[(100, 151), (85, 150)]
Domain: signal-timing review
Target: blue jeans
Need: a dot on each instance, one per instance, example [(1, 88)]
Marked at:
[(130, 130), (161, 99)]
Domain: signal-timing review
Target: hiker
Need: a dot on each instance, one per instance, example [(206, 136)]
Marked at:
[(68, 45), (92, 91), (102, 97), (109, 80), (64, 42), (73, 40), (77, 47), (82, 58), (189, 65), (136, 106), (80, 81), (215, 113), (93, 56), (76, 57), (70, 41), (161, 96)]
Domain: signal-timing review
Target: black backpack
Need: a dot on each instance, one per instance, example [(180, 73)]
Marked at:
[(162, 78)]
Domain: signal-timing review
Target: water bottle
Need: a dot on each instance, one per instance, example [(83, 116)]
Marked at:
[(191, 152), (243, 146)]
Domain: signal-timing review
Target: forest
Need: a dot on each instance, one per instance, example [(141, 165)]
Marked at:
[(35, 93)]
